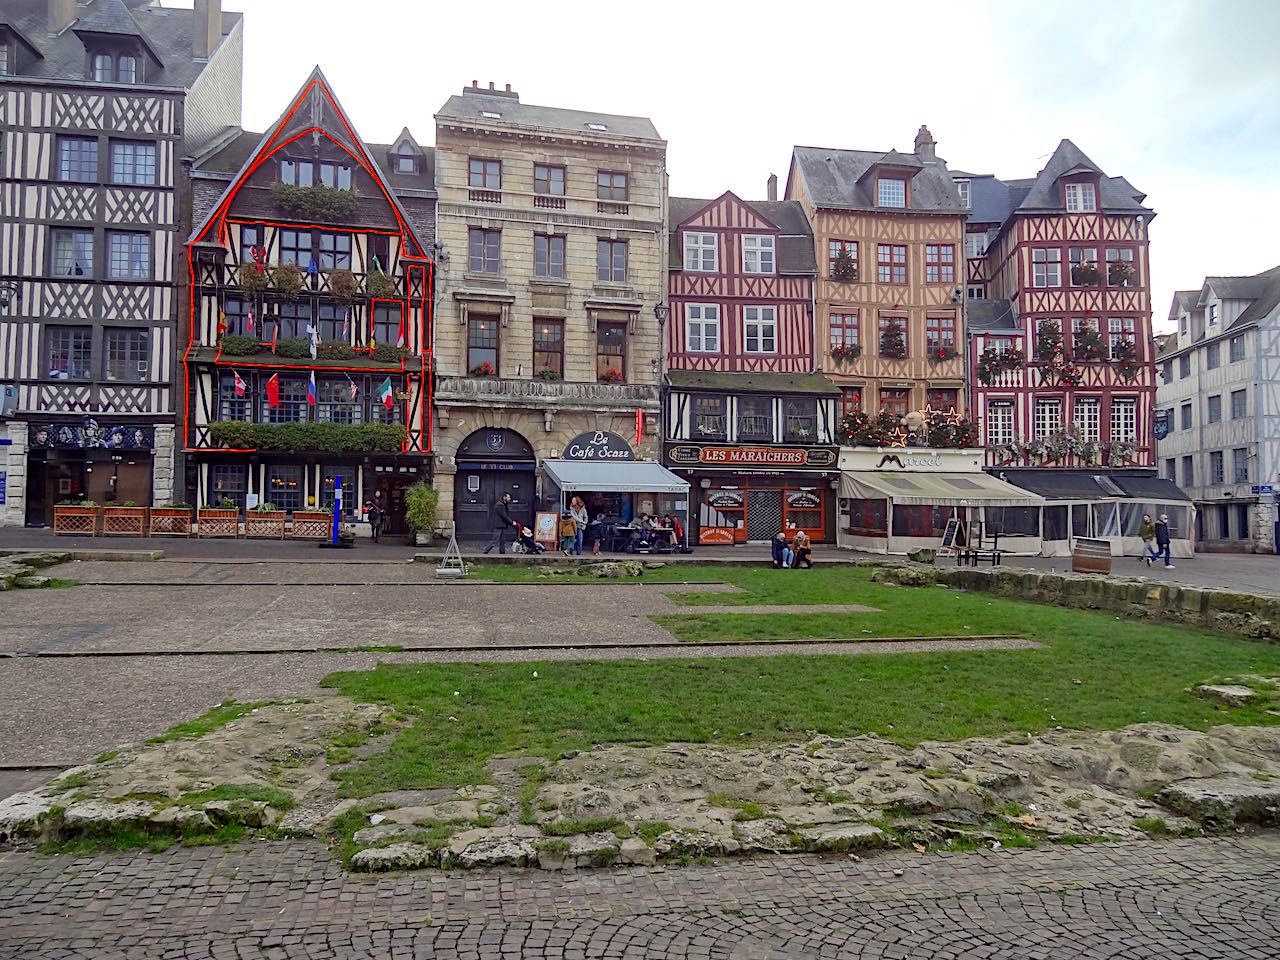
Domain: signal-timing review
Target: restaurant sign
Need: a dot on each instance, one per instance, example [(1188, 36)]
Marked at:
[(598, 445), (802, 458)]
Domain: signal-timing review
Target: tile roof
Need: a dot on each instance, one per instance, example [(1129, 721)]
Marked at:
[(834, 179), (472, 105), (774, 383), (795, 244)]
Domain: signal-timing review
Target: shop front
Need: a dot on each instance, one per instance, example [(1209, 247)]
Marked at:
[(747, 494), (88, 459)]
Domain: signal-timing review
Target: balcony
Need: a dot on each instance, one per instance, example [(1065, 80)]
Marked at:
[(617, 209), (546, 201), (709, 427), (756, 429), (500, 392), (484, 196)]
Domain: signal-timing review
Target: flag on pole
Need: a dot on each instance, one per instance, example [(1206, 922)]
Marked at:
[(275, 335), (240, 384), (639, 426), (355, 390), (385, 394), (273, 390), (314, 334), (377, 264), (311, 389), (222, 321), (400, 338), (253, 321), (346, 323), (312, 269)]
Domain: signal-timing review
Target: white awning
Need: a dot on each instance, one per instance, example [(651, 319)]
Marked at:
[(619, 476), (935, 489)]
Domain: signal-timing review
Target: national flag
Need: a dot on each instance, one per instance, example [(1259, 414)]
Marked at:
[(314, 334), (346, 323), (222, 322), (377, 264), (275, 335), (373, 342), (240, 384), (385, 394), (312, 269), (355, 390), (253, 321), (639, 426), (273, 390), (311, 389), (400, 338)]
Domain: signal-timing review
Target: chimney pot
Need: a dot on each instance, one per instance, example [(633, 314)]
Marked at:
[(61, 13), (771, 191), (475, 84), (926, 146), (490, 84), (508, 88), (206, 28)]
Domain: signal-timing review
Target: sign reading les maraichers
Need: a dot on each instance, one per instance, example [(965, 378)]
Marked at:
[(598, 445), (693, 455)]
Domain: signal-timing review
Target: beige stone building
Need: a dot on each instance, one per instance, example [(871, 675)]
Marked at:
[(552, 227)]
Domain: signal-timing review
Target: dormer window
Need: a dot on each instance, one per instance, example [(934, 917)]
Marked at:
[(108, 67), (126, 69), (891, 193), (406, 163), (4, 55), (104, 68), (1081, 198), (297, 173), (962, 186)]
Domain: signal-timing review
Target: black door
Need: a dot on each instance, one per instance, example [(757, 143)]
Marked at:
[(477, 493)]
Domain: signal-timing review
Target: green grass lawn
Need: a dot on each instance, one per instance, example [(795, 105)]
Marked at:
[(1130, 671)]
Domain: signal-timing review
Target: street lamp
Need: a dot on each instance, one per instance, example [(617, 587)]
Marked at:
[(10, 292)]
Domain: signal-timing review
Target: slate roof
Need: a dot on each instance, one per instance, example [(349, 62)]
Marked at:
[(987, 316), (795, 244), (1116, 193), (773, 383), (1183, 301), (1267, 299), (166, 32), (470, 106), (834, 179)]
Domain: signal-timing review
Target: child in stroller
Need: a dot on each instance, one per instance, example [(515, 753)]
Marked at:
[(526, 544)]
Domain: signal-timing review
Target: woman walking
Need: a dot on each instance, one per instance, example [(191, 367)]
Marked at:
[(578, 511)]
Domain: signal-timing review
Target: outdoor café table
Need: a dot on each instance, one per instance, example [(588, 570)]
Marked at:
[(664, 536), (625, 533)]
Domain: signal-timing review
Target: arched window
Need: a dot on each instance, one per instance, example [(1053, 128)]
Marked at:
[(102, 67), (127, 70)]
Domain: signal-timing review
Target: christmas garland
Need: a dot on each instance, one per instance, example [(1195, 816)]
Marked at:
[(846, 353), (1126, 359)]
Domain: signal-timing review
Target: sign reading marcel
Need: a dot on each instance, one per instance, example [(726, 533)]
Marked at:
[(694, 455), (598, 445)]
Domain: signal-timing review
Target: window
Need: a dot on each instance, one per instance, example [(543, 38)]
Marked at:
[(1124, 419), (845, 330), (701, 253), (597, 126), (760, 329), (1216, 474), (611, 352), (1081, 198), (102, 68), (293, 319), (133, 163), (943, 399), (896, 400), (976, 292), (757, 254), (1088, 418), (336, 175), (893, 337), (1215, 409), (406, 161), (1185, 416), (548, 181), (284, 487), (72, 253), (611, 186), (484, 250), (891, 193), (128, 256), (1120, 268), (127, 355), (1084, 266), (1239, 404), (335, 251), (611, 260), (229, 481), (548, 347), (1184, 366), (293, 405), (78, 159), (939, 263), (330, 320), (235, 311), (1048, 418), (975, 245), (842, 260), (1171, 469), (1237, 348), (850, 400), (68, 350), (1120, 330), (702, 328), (548, 255), (329, 482), (800, 423), (708, 421), (1213, 356), (250, 237), (940, 333), (1213, 314), (999, 423), (335, 402), (4, 58), (1188, 471), (963, 188), (891, 263), (482, 343), (1080, 346), (755, 418), (295, 247), (388, 323), (297, 173), (1046, 267), (1240, 465), (484, 174), (231, 407), (127, 69), (1242, 521)]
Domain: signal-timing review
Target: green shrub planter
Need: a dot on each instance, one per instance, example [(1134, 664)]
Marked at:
[(316, 202), (304, 437)]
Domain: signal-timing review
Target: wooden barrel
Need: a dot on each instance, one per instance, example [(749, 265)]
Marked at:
[(1091, 556)]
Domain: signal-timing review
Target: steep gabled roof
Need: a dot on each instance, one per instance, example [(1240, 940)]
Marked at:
[(404, 136), (1116, 193), (836, 180), (1267, 299), (1184, 301), (112, 17), (795, 235)]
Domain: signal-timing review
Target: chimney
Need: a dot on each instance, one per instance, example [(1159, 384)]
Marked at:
[(771, 191), (206, 28), (926, 146), (61, 13)]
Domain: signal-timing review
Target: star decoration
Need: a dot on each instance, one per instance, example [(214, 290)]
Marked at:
[(953, 417), (928, 411), (898, 438)]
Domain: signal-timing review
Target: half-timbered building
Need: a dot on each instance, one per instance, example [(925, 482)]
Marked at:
[(307, 347), (99, 101), (747, 420)]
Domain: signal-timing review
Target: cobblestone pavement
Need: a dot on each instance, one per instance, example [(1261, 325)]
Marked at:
[(1194, 899)]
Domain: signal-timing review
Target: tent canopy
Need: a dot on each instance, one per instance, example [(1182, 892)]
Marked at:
[(620, 476), (935, 489)]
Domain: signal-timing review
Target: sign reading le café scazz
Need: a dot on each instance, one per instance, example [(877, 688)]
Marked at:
[(598, 445), (694, 455)]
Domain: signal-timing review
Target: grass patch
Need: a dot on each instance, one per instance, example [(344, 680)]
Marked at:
[(72, 781), (746, 809), (535, 774), (570, 828), (552, 845), (272, 796), (651, 830), (216, 718), (1153, 826), (104, 757)]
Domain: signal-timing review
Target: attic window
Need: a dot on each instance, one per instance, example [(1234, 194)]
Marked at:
[(892, 193), (597, 126), (491, 114), (108, 67), (1081, 198), (406, 163)]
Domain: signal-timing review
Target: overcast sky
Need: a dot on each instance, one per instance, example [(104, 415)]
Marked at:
[(1182, 97)]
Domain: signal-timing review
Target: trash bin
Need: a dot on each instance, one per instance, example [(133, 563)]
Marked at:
[(1091, 556)]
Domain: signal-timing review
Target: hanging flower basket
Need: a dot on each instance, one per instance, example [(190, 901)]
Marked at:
[(1088, 345), (1126, 360), (288, 279), (1120, 273), (993, 363), (483, 370), (343, 284), (253, 280), (379, 286), (941, 354), (846, 353), (1085, 275)]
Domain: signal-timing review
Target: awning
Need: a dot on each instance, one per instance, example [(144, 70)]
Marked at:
[(935, 489), (1060, 484), (1152, 489), (619, 476)]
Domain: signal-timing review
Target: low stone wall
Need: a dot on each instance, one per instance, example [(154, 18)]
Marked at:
[(18, 572)]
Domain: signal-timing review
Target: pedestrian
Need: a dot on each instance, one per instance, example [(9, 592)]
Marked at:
[(374, 512), (503, 526), (803, 551), (1162, 541), (782, 555), (1148, 534), (568, 533), (578, 510)]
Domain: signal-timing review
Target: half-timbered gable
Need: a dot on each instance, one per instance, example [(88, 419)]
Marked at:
[(311, 296)]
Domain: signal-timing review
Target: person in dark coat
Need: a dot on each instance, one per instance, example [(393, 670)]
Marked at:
[(374, 512), (504, 528), (1162, 541), (781, 550)]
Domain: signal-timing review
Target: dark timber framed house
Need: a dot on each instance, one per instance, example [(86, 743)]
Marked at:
[(308, 355), (99, 99)]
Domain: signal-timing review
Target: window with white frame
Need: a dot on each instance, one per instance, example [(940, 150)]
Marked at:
[(1048, 417), (757, 254), (1237, 348), (700, 252), (1240, 465), (999, 423), (975, 245), (1081, 198), (892, 193), (963, 188), (845, 330), (760, 329), (1239, 404), (702, 327), (1088, 418), (1119, 330), (1046, 267), (1124, 419)]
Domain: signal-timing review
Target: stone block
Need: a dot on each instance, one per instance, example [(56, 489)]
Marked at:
[(838, 837), (1230, 694), (636, 852), (398, 856), (1225, 801)]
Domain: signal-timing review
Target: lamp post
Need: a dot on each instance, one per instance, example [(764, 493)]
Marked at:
[(660, 312), (10, 293)]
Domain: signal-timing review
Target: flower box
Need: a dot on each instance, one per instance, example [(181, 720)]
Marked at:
[(311, 525), (74, 520), (124, 521), (170, 522), (218, 522), (264, 524)]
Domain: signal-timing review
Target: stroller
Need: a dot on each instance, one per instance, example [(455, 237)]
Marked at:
[(526, 544)]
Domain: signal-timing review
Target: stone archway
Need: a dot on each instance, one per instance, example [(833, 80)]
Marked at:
[(492, 461)]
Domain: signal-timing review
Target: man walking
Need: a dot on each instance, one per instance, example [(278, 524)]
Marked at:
[(373, 510), (1147, 533), (503, 525), (1162, 541)]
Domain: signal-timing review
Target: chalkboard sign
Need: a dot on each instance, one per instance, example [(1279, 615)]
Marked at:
[(546, 529), (949, 535)]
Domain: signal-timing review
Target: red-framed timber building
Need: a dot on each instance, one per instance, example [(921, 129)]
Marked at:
[(342, 247), (748, 421)]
